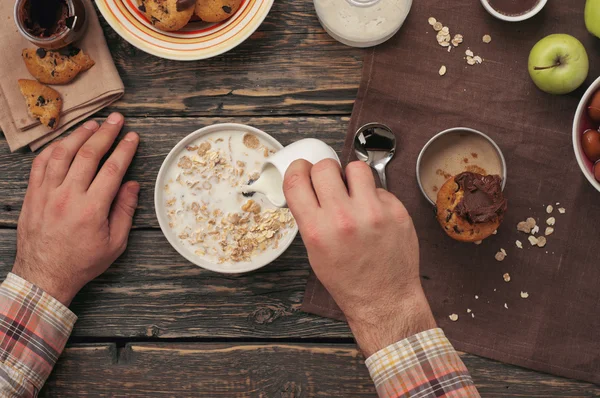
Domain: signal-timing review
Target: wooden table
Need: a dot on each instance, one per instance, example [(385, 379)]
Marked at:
[(155, 324)]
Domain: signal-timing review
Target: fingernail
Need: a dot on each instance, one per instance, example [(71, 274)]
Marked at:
[(91, 125), (114, 118), (134, 188), (131, 137)]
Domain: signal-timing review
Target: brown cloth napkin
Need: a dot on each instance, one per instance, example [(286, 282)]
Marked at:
[(88, 93), (556, 329)]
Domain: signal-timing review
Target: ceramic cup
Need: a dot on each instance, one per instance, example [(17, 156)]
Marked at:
[(309, 149), (514, 18)]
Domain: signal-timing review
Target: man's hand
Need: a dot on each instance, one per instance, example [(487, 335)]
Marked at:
[(75, 219), (362, 245)]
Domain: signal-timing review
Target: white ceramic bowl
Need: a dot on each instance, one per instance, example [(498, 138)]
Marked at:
[(581, 123), (514, 18), (159, 204), (197, 40)]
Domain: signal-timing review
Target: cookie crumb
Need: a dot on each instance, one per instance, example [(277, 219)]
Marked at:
[(524, 295), (453, 317), (506, 277)]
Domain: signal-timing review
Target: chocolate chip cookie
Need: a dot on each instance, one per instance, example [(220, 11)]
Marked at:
[(470, 206), (56, 67), (216, 10), (43, 103), (168, 15)]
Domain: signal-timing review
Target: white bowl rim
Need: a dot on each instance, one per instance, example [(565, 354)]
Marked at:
[(162, 221), (453, 130), (514, 18), (177, 57), (595, 86)]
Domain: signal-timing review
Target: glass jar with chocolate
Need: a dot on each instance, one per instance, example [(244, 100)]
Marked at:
[(51, 24)]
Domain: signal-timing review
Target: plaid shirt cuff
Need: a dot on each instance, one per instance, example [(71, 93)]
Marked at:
[(34, 328), (423, 365)]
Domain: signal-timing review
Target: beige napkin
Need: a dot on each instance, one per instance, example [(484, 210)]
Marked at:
[(88, 93)]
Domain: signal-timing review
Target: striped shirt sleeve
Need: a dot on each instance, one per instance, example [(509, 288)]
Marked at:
[(34, 328), (424, 365)]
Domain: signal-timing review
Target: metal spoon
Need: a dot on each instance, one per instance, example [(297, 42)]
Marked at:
[(375, 144)]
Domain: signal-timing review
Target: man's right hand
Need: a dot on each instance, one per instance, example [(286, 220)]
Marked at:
[(363, 247)]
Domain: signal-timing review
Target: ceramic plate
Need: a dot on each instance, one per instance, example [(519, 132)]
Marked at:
[(197, 40)]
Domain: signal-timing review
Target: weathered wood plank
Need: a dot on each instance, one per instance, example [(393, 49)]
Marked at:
[(151, 291), (158, 136), (262, 370), (289, 66)]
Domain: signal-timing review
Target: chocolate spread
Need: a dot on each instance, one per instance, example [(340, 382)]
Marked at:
[(513, 7), (44, 18), (184, 4), (482, 200)]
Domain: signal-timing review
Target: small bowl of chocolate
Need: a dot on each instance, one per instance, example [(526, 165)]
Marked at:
[(513, 10), (51, 24)]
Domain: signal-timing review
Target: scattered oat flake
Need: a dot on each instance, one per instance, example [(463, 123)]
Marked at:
[(471, 61), (468, 310), (495, 232), (487, 39), (500, 256), (535, 230), (478, 242), (443, 70), (505, 305), (469, 53), (549, 209), (472, 315), (446, 30), (519, 244), (533, 240), (432, 21), (503, 251), (549, 231), (541, 241), (562, 210), (251, 141), (453, 317), (551, 221), (437, 26), (524, 295), (476, 297), (506, 277), (478, 59)]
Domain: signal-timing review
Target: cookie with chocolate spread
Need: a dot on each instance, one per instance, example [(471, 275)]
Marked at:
[(168, 15), (56, 67), (216, 10), (43, 103), (470, 206)]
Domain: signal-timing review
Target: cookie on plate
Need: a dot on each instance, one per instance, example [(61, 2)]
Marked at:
[(168, 15), (56, 67), (43, 103), (470, 206), (216, 10)]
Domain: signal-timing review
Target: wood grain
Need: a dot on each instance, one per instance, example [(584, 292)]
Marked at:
[(153, 292), (261, 370), (158, 136)]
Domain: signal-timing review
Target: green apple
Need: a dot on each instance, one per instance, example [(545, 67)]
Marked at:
[(558, 64), (592, 17)]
